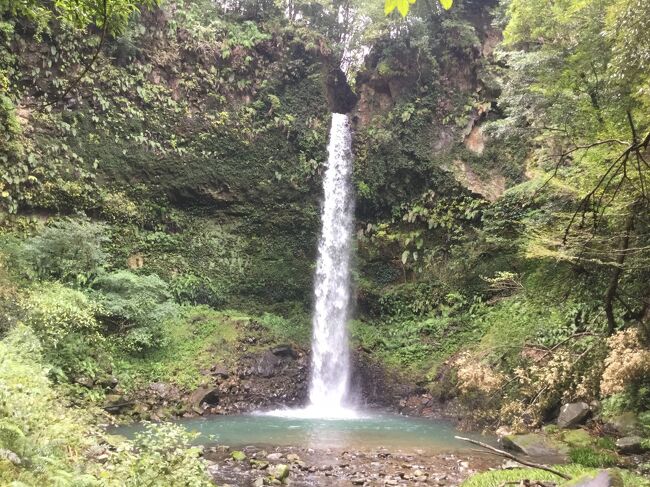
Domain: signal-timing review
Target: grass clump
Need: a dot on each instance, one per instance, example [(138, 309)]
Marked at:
[(592, 457), (496, 478)]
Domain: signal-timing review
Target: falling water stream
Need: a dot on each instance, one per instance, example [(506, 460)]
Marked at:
[(330, 375), (330, 372)]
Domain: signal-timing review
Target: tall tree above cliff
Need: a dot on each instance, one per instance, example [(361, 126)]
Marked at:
[(577, 90)]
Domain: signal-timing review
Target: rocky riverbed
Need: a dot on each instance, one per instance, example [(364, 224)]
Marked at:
[(303, 467)]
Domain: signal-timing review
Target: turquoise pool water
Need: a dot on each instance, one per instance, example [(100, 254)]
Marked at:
[(372, 430)]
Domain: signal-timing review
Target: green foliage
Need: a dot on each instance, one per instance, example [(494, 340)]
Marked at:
[(135, 306), (67, 250), (191, 289), (64, 320), (53, 441)]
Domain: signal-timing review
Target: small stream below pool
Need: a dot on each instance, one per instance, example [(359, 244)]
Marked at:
[(368, 431)]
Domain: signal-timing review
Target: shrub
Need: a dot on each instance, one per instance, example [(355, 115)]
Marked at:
[(68, 250), (290, 329), (135, 306), (195, 290), (160, 456), (627, 366), (64, 320), (33, 423), (57, 445), (56, 312)]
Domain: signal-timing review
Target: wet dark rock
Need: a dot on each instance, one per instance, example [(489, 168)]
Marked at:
[(219, 371), (203, 398), (266, 365), (573, 414), (85, 381), (164, 391), (340, 97), (285, 351)]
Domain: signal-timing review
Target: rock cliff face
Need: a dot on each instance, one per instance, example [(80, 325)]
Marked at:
[(201, 145)]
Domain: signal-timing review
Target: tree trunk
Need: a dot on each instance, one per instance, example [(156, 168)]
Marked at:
[(614, 280)]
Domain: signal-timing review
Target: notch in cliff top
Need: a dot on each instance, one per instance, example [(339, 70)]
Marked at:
[(340, 97)]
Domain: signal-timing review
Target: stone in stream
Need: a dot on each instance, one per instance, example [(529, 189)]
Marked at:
[(239, 456), (274, 456), (573, 414), (293, 458), (259, 464), (280, 471)]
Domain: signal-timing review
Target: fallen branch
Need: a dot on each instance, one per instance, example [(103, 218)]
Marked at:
[(512, 457), (529, 483)]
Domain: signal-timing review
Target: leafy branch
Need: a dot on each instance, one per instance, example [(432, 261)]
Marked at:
[(403, 6)]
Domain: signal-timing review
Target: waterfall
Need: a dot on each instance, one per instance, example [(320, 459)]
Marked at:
[(330, 374), (330, 371)]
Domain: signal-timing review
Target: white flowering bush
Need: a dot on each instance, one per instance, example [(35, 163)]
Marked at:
[(627, 363)]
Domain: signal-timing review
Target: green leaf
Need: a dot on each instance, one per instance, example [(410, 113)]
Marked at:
[(403, 7), (446, 4), (405, 256), (389, 6)]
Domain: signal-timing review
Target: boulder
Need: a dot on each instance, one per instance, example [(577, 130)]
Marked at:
[(204, 395), (573, 414), (624, 424), (534, 444), (603, 478), (630, 445), (10, 456), (265, 366)]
